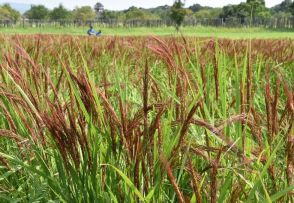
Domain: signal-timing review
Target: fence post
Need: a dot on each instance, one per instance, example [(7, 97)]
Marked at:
[(275, 23)]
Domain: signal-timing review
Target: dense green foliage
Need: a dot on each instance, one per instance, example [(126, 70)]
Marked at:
[(8, 13), (177, 13), (37, 12), (134, 13), (83, 13), (284, 9), (60, 13), (250, 9)]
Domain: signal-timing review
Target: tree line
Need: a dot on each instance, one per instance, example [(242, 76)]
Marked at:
[(177, 12)]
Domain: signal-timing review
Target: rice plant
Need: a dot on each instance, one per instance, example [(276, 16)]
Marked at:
[(146, 119)]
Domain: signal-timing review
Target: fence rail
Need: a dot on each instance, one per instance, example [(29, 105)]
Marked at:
[(278, 23)]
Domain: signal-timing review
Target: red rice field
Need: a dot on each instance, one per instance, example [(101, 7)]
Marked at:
[(146, 119)]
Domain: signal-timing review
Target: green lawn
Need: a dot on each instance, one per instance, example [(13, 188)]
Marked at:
[(235, 33)]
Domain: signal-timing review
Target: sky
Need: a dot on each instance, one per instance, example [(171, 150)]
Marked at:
[(124, 4)]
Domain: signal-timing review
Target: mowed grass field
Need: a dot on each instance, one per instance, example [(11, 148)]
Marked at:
[(146, 119), (233, 33)]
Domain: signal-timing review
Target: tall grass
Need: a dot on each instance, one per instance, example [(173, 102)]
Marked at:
[(146, 119)]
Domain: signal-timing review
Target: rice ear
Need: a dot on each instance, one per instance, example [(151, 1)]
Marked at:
[(172, 179)]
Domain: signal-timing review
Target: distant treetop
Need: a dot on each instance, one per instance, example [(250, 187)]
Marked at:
[(249, 9)]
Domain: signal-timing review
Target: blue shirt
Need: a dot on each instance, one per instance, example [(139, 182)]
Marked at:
[(91, 31)]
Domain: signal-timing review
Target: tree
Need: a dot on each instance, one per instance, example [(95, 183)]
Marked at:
[(163, 12), (292, 9), (285, 5), (196, 7), (4, 14), (207, 13), (108, 15), (59, 13), (134, 13), (112, 15), (250, 9), (178, 13), (283, 9), (8, 13), (38, 12), (84, 13), (242, 11), (99, 9), (257, 8), (228, 11)]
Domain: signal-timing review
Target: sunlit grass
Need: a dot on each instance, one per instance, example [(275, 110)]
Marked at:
[(234, 33)]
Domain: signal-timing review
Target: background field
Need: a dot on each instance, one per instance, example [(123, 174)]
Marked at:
[(233, 33)]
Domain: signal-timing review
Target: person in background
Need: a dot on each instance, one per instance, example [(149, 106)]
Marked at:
[(91, 31), (99, 33)]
